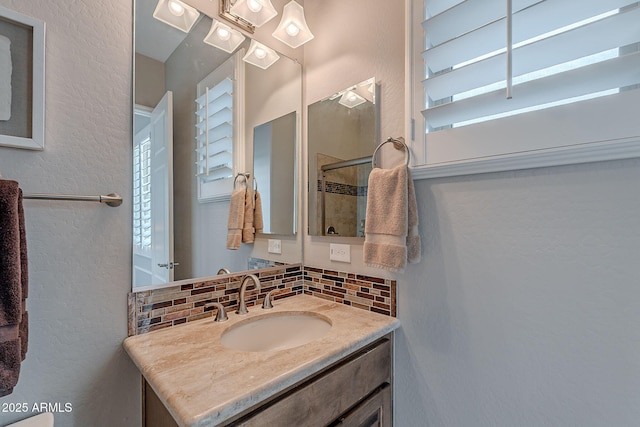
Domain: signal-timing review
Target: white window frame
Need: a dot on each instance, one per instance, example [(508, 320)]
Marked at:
[(612, 144)]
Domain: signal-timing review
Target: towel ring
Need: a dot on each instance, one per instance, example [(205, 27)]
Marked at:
[(398, 143), (246, 176)]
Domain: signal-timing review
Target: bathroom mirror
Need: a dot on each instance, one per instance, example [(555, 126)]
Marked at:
[(170, 68), (274, 169), (343, 130)]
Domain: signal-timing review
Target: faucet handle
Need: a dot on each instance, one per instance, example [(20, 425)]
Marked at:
[(221, 315), (268, 299)]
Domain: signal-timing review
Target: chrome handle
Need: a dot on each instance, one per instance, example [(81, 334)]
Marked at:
[(169, 266), (221, 315), (268, 299)]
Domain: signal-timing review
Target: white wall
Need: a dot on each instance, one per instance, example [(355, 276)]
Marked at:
[(79, 253), (524, 311)]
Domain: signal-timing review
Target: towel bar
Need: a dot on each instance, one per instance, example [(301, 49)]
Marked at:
[(246, 176), (111, 199), (398, 143)]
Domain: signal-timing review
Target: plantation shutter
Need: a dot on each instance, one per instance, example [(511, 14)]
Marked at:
[(214, 132), (562, 51)]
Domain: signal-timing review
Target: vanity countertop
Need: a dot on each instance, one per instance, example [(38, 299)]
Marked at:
[(203, 383)]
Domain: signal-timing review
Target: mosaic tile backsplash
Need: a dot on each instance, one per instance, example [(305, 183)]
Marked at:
[(366, 292), (163, 308)]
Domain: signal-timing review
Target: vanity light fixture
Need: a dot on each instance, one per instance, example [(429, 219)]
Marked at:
[(351, 99), (177, 14), (293, 29), (257, 12), (224, 37), (260, 55)]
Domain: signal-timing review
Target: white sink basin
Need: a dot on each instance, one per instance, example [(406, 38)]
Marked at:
[(276, 331)]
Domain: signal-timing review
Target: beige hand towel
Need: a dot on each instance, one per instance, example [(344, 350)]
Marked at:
[(258, 223), (236, 219), (391, 227), (248, 231)]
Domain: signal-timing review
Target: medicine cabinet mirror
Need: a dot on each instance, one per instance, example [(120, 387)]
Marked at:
[(343, 130), (180, 225), (274, 169)]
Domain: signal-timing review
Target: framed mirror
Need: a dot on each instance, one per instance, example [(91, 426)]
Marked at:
[(274, 169), (186, 156), (343, 132)]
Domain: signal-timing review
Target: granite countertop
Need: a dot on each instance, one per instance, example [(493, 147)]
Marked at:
[(203, 383)]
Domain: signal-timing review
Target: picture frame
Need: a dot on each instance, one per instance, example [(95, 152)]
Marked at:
[(22, 80)]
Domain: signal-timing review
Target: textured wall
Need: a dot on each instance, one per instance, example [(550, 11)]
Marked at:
[(79, 253), (524, 311)]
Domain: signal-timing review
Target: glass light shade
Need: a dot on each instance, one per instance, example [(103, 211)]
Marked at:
[(257, 12), (224, 37), (260, 55), (293, 29), (351, 99), (176, 14)]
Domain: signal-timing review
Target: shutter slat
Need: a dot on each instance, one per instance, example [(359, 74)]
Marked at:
[(598, 36), (467, 16), (216, 119), (223, 130), (225, 86), (435, 7), (611, 74), (533, 21), (221, 144), (223, 101)]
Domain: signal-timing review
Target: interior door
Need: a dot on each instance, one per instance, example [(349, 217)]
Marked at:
[(162, 262)]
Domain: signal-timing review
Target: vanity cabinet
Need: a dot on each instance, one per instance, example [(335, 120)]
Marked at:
[(355, 391)]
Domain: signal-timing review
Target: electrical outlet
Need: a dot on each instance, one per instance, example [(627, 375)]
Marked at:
[(275, 246), (340, 253)]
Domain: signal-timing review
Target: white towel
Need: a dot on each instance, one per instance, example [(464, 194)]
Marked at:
[(5, 78), (391, 227)]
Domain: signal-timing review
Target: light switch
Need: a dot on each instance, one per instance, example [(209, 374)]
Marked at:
[(339, 252), (275, 246)]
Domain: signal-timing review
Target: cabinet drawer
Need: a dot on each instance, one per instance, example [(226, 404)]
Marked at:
[(324, 398), (373, 412)]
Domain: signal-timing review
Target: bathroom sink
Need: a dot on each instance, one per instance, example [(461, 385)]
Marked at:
[(277, 331)]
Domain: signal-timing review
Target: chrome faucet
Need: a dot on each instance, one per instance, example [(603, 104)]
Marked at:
[(242, 307), (224, 271)]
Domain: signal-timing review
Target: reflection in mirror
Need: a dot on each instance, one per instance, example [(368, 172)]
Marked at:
[(274, 146), (180, 225), (342, 138)]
